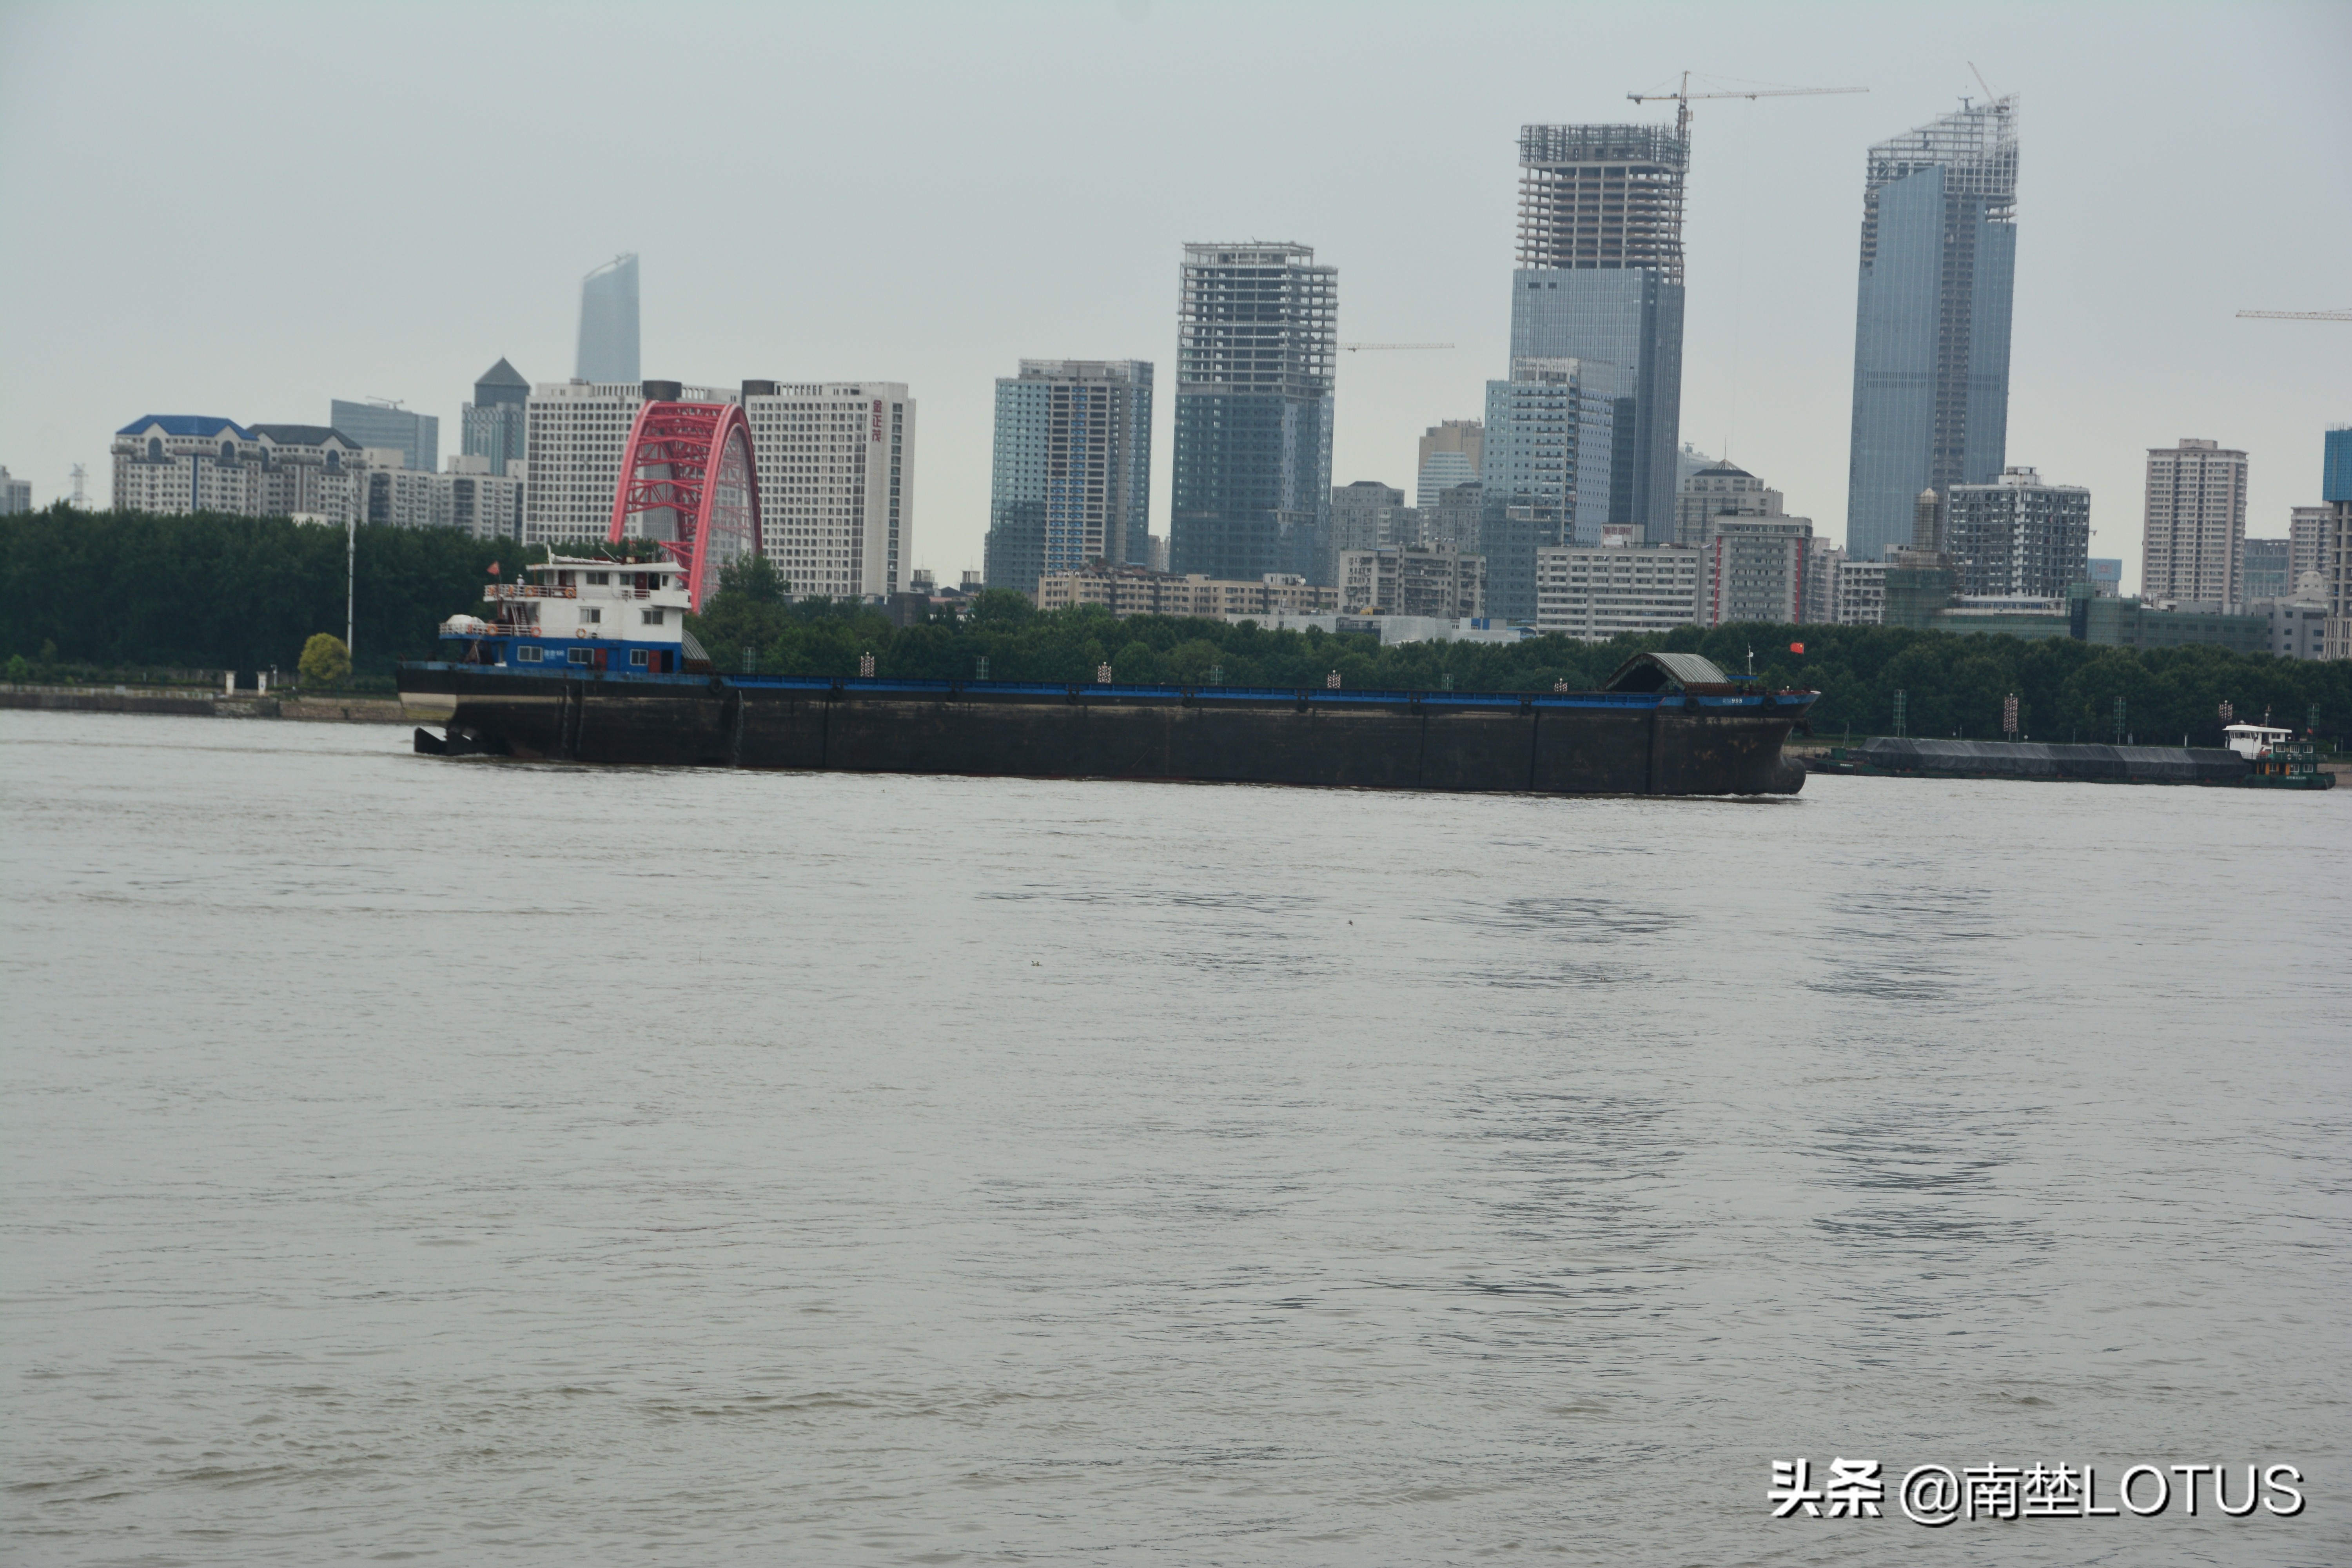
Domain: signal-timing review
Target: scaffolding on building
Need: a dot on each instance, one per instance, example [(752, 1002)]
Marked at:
[(1602, 198)]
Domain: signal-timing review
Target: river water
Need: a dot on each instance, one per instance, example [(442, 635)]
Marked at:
[(479, 1163)]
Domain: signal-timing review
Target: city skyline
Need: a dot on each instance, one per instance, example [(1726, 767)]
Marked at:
[(1768, 237)]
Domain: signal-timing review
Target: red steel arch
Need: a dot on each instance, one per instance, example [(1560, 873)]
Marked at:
[(687, 472)]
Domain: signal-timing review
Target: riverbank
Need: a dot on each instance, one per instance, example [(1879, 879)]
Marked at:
[(199, 702)]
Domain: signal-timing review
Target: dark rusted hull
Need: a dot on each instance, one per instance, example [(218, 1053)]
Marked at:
[(1589, 743)]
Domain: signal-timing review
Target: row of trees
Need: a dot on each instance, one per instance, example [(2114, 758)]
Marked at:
[(205, 591), (1949, 685), (121, 591)]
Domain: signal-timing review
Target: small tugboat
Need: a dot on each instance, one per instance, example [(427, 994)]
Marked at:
[(2280, 761)]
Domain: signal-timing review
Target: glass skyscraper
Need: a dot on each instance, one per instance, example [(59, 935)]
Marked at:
[(1931, 330), (1257, 332), (1599, 281), (1070, 483), (608, 323)]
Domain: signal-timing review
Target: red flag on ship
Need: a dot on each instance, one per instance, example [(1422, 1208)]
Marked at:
[(494, 568), (1793, 648)]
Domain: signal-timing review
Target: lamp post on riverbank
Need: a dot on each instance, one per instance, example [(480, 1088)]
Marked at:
[(351, 575)]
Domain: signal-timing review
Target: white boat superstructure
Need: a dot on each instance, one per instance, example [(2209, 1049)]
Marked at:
[(2254, 741)]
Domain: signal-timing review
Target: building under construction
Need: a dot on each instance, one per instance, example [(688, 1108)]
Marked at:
[(1931, 338), (1599, 281)]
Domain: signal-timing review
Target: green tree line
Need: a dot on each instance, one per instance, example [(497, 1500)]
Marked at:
[(119, 590), (1951, 685), (123, 590)]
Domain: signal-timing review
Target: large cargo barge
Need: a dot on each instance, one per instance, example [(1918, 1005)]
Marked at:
[(560, 687), (2273, 762)]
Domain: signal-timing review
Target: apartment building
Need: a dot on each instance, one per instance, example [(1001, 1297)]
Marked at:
[(1861, 592), (575, 432), (2018, 537), (836, 465), (1137, 591), (2195, 524), (1408, 580), (1593, 593), (1756, 570), (1070, 482)]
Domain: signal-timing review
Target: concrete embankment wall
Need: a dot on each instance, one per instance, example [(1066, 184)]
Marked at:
[(197, 703)]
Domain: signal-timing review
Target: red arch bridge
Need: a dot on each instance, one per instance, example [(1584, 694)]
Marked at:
[(688, 483)]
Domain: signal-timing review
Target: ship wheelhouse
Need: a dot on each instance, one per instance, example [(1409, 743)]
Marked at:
[(2254, 742), (583, 613)]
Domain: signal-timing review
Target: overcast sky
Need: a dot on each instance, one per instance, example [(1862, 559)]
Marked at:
[(246, 211)]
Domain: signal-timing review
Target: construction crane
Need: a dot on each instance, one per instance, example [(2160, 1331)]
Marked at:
[(1684, 98), (1351, 348), (2294, 315)]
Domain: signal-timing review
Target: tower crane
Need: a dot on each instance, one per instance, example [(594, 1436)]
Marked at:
[(1684, 98), (1351, 348), (2294, 315)]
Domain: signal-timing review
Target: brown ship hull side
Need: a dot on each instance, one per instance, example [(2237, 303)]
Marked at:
[(1672, 749)]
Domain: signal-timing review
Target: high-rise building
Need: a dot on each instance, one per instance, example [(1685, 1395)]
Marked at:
[(1408, 580), (2018, 538), (183, 463), (1861, 592), (1257, 332), (1452, 452), (496, 424), (1756, 570), (837, 464), (2336, 489), (1687, 462), (2264, 569), (577, 431), (1548, 439), (1458, 519), (1766, 565), (2196, 522), (1720, 489), (1369, 515), (1821, 569), (1599, 281), (2307, 532), (309, 470), (1593, 593), (1071, 480), (608, 323), (1932, 319), (16, 495), (485, 504), (416, 437)]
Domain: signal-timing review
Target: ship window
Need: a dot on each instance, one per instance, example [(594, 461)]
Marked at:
[(582, 655), (637, 658), (598, 579), (528, 653), (592, 615), (653, 617)]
